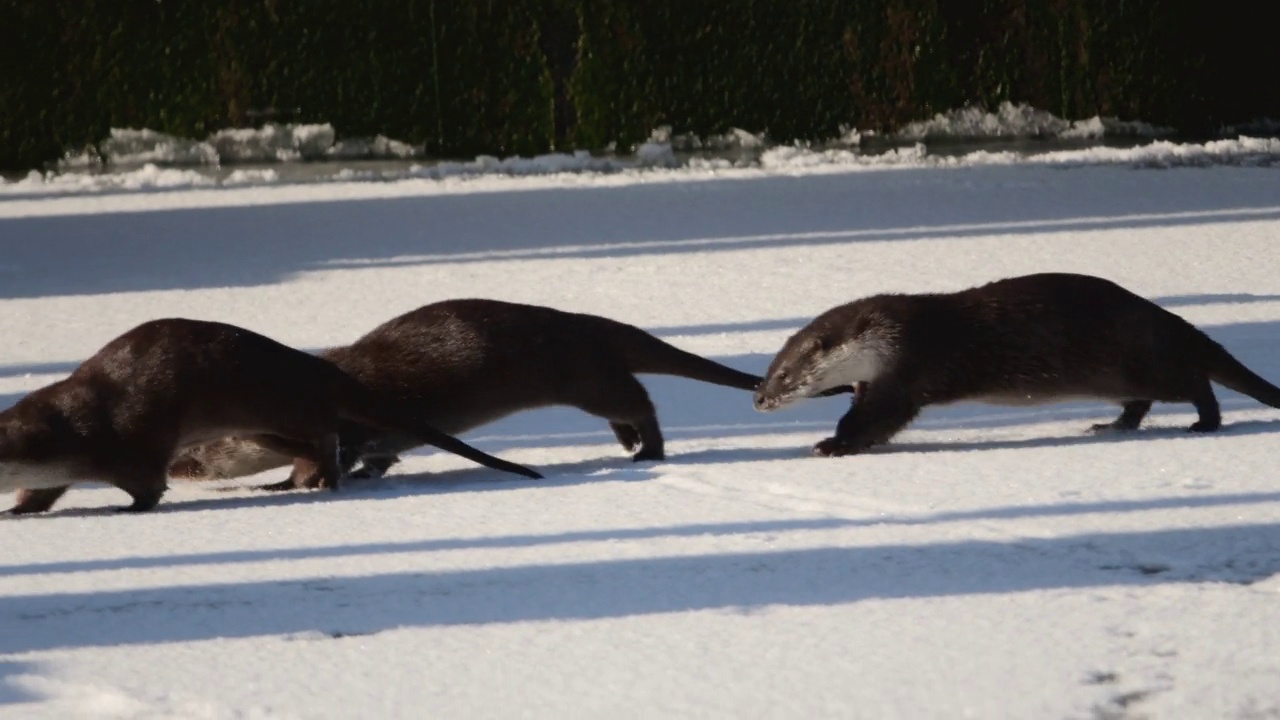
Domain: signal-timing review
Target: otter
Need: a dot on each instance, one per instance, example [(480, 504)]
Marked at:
[(121, 415), (469, 362), (1028, 340)]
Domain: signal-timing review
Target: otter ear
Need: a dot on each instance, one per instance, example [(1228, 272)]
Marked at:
[(821, 344)]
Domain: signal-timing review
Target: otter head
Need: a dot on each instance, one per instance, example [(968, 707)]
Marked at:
[(187, 467), (828, 356)]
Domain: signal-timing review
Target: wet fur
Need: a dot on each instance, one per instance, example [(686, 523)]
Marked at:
[(468, 362), (1025, 340), (167, 384)]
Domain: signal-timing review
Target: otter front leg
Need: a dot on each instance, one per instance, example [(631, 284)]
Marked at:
[(878, 414), (1131, 415), (36, 501), (145, 497)]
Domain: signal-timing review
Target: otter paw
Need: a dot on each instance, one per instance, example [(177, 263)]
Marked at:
[(832, 447), (1201, 426), (649, 456)]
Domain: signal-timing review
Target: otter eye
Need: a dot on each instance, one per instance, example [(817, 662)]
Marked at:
[(782, 374)]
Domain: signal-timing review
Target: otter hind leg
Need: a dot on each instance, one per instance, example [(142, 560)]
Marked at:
[(1131, 414), (316, 464), (1206, 404), (627, 435), (651, 442), (622, 400)]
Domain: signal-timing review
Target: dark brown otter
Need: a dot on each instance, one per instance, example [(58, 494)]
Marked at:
[(167, 384), (1025, 340), (465, 363)]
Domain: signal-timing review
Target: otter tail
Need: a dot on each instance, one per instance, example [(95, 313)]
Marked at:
[(367, 408), (647, 354), (1229, 372)]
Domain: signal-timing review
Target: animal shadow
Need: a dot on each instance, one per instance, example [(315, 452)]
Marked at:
[(1085, 437)]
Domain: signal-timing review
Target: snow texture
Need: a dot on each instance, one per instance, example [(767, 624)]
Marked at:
[(1022, 121), (991, 562)]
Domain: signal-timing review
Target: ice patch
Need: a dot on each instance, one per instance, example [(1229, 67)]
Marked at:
[(263, 176), (551, 163), (1244, 151), (147, 177), (380, 147), (791, 158)]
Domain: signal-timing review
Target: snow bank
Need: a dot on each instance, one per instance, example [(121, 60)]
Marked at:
[(272, 142), (1022, 121), (734, 139), (276, 142), (127, 146), (147, 177), (653, 157), (736, 150)]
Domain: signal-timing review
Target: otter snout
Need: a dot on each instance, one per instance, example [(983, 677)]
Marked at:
[(764, 403), (772, 393)]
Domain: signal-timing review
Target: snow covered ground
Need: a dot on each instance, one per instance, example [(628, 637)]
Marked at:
[(992, 562)]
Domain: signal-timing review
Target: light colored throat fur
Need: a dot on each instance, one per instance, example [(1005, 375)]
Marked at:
[(862, 359), (17, 475)]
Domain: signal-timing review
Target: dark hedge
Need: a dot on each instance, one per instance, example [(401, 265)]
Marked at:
[(525, 76)]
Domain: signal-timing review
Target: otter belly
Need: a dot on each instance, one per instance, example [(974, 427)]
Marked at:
[(16, 475)]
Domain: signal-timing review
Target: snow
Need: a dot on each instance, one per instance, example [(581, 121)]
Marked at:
[(143, 159), (1022, 121), (991, 562), (653, 161)]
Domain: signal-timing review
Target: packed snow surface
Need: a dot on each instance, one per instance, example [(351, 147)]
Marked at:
[(991, 562)]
